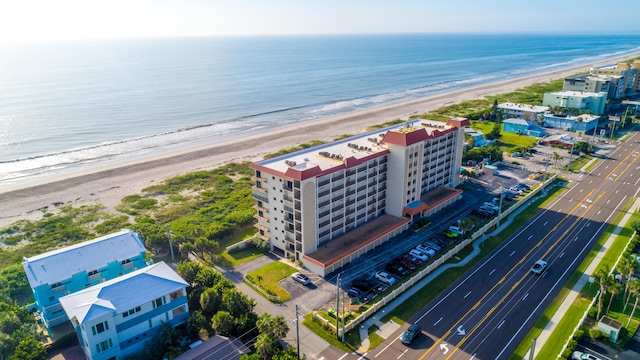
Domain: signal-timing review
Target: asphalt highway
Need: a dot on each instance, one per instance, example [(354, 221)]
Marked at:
[(487, 313)]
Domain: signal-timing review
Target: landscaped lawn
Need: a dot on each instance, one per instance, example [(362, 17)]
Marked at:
[(508, 141), (268, 276)]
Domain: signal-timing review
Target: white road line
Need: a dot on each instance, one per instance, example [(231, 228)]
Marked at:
[(545, 223), (513, 252), (587, 224), (598, 212), (562, 254), (525, 296), (363, 356), (404, 352), (473, 356), (343, 356), (492, 271), (469, 293), (501, 323), (530, 236), (386, 347), (436, 323)]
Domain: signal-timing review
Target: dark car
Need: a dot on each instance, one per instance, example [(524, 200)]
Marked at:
[(410, 334), (404, 263), (396, 269), (360, 295), (523, 186), (479, 214), (412, 259)]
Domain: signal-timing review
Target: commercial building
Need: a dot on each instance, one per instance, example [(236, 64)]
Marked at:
[(593, 102), (113, 319), (523, 111), (596, 84), (60, 272), (330, 204)]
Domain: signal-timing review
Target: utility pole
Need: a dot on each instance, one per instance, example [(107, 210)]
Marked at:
[(338, 307), (573, 142), (500, 209), (533, 348), (298, 331), (546, 165)]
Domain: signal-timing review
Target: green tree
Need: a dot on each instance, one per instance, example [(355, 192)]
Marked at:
[(627, 267), (635, 290), (222, 323), (275, 326), (635, 225), (195, 322), (614, 289), (210, 300), (603, 277), (237, 303), (29, 349), (266, 346), (556, 157), (466, 225)]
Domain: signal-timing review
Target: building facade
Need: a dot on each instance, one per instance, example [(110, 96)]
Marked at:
[(523, 127), (113, 319), (308, 199), (593, 102), (523, 111), (584, 122), (60, 272)]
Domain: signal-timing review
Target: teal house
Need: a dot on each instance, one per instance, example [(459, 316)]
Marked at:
[(523, 127), (67, 270)]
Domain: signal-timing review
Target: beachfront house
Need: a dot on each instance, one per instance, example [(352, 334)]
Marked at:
[(522, 127), (113, 319), (477, 137), (330, 204), (583, 123), (587, 101), (63, 271), (523, 111)]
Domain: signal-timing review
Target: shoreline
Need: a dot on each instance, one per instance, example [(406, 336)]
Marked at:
[(107, 185)]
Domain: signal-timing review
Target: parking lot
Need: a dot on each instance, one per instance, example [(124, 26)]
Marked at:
[(393, 256)]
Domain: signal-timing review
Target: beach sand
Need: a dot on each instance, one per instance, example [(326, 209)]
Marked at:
[(108, 185)]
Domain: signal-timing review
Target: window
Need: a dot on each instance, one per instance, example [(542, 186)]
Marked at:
[(126, 261), (93, 272), (105, 345), (158, 302), (100, 328)]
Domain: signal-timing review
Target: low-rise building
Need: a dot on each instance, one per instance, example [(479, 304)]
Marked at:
[(114, 319), (478, 137), (583, 123), (63, 271), (592, 102), (523, 111), (522, 127), (332, 203)]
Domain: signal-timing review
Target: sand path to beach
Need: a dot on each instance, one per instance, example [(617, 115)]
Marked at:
[(109, 184)]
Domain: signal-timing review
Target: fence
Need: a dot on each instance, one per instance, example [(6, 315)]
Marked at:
[(439, 261), (257, 288)]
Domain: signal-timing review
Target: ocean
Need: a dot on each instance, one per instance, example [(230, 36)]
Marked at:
[(70, 106)]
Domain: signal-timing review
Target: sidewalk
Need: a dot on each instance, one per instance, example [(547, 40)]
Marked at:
[(575, 291)]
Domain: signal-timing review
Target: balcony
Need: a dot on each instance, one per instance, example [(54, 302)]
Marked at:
[(98, 276), (59, 289), (52, 308)]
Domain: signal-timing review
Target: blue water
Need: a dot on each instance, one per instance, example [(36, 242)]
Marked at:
[(65, 106)]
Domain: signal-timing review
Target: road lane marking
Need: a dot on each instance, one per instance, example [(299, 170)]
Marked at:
[(437, 322), (386, 347), (545, 223), (492, 271), (363, 356), (516, 284), (530, 236), (501, 323), (525, 296), (562, 253), (513, 252), (469, 293), (404, 352)]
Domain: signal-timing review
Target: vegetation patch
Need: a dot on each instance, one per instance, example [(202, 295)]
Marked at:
[(268, 276)]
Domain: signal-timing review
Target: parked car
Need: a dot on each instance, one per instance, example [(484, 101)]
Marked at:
[(434, 245), (516, 190), (487, 209), (480, 214), (385, 278), (456, 230), (410, 334), (301, 278), (492, 205), (358, 294), (450, 234), (413, 260), (406, 263), (443, 243), (539, 267), (365, 285), (579, 355), (419, 254), (426, 249), (397, 269), (524, 186)]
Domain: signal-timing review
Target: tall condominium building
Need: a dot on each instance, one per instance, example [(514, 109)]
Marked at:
[(330, 204)]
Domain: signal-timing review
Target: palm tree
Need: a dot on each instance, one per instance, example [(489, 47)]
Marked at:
[(556, 157), (601, 275), (627, 267), (614, 289), (634, 288)]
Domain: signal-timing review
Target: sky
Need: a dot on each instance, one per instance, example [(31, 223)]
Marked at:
[(61, 20)]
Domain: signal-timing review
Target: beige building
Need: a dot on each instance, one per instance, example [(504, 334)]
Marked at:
[(330, 204)]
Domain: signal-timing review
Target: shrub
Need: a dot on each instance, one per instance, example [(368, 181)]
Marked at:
[(593, 312), (579, 334), (595, 334), (571, 345)]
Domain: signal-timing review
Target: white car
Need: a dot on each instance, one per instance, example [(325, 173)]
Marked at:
[(539, 267), (492, 206), (516, 190), (427, 250), (433, 245), (579, 355), (384, 277), (301, 278), (456, 230), (419, 254)]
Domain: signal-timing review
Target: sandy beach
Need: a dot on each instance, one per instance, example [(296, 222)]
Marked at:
[(108, 185)]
